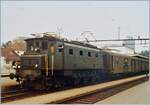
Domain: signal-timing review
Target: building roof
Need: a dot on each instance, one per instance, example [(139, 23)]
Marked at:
[(9, 54), (120, 50)]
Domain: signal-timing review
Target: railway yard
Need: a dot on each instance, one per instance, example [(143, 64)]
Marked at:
[(97, 93)]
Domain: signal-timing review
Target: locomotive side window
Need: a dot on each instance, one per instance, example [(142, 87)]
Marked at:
[(81, 52), (60, 48), (71, 51), (44, 45), (89, 54)]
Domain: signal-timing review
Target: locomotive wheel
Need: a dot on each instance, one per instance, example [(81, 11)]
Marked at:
[(39, 86), (26, 84), (93, 80), (76, 81)]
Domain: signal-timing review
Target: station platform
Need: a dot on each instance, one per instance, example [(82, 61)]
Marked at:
[(7, 83), (58, 97), (136, 95)]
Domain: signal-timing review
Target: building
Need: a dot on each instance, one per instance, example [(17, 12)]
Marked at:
[(7, 57)]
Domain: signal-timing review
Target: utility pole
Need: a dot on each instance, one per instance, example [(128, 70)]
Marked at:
[(59, 31), (119, 32)]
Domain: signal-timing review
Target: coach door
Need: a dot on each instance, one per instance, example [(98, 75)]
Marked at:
[(105, 62), (132, 65), (61, 56)]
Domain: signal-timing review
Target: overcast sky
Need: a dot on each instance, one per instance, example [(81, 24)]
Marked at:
[(102, 18)]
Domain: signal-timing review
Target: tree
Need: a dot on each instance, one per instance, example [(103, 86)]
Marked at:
[(16, 44)]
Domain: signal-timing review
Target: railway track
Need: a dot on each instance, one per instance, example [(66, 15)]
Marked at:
[(89, 98), (99, 95), (12, 91), (13, 94)]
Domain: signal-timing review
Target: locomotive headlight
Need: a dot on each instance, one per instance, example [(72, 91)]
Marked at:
[(18, 66), (14, 67), (36, 65)]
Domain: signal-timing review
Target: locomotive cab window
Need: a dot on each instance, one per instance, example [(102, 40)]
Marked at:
[(29, 46), (44, 45), (37, 44)]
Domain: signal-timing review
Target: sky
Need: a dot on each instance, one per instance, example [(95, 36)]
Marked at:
[(71, 18)]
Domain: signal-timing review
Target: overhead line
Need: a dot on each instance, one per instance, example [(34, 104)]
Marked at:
[(118, 40)]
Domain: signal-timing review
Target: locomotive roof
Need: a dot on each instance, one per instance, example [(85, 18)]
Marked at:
[(43, 38), (51, 38), (140, 56)]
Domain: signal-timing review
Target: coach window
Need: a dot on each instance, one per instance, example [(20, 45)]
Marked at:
[(44, 45), (96, 55), (81, 53), (89, 54), (71, 51)]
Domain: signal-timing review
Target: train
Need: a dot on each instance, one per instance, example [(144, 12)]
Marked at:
[(54, 62)]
